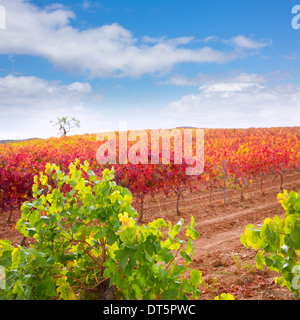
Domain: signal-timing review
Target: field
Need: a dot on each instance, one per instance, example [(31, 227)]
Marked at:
[(227, 266)]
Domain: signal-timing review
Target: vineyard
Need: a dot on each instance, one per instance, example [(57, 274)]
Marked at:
[(250, 154), (244, 170)]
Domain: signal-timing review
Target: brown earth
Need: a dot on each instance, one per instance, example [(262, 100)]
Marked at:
[(226, 265)]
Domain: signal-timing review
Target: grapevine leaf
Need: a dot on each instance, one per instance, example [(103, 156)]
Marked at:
[(189, 248), (196, 277), (169, 294), (191, 232)]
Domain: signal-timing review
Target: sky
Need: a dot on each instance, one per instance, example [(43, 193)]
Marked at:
[(153, 64)]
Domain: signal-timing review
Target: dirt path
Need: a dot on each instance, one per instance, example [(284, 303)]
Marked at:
[(232, 221), (228, 266)]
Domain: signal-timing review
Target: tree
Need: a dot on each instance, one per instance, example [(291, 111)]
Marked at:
[(65, 124)]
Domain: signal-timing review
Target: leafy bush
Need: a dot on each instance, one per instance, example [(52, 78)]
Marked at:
[(87, 244), (279, 240)]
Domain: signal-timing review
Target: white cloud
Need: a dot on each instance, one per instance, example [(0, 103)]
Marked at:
[(172, 42), (27, 104), (86, 4), (80, 87), (210, 38), (228, 77), (246, 100), (226, 90), (91, 5), (105, 51), (32, 93), (246, 43), (292, 56)]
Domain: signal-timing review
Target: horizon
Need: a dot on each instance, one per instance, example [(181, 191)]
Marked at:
[(155, 65), (96, 133)]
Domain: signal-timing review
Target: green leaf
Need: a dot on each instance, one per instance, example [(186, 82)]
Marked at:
[(193, 223), (33, 219), (295, 235), (269, 261), (269, 234), (148, 257), (186, 257), (191, 232), (196, 277), (290, 243), (189, 248), (112, 239), (64, 289), (39, 261), (19, 289), (251, 237), (45, 218), (176, 229), (165, 255), (123, 263), (31, 232), (50, 261), (178, 270), (259, 260), (158, 223), (169, 294), (16, 257), (45, 289)]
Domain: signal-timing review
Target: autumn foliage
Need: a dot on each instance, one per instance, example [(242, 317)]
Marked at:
[(250, 154)]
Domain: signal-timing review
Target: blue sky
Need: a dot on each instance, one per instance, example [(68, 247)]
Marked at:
[(154, 64)]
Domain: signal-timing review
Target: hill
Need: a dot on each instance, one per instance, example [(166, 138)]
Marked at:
[(20, 140)]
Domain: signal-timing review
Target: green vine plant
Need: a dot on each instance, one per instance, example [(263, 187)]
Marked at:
[(87, 244), (279, 241)]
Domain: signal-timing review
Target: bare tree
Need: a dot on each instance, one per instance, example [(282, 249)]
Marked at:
[(65, 124)]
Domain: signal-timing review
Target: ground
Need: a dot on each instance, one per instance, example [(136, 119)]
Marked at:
[(226, 265)]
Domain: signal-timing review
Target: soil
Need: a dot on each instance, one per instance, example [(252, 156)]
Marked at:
[(226, 264)]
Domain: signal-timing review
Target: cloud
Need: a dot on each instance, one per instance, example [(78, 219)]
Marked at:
[(80, 87), (87, 4), (245, 43), (29, 103), (245, 100), (104, 51), (25, 94), (226, 90), (172, 42), (292, 56), (228, 77), (211, 38)]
